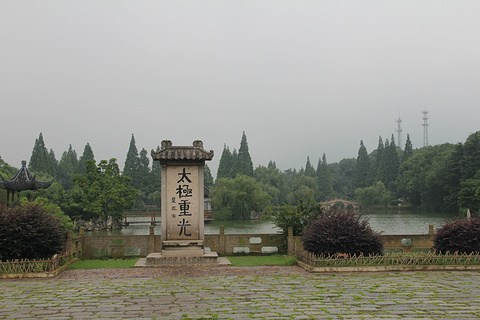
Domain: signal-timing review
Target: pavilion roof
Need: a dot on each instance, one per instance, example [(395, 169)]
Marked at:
[(24, 180)]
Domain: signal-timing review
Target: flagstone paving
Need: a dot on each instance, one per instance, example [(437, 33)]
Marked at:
[(290, 294)]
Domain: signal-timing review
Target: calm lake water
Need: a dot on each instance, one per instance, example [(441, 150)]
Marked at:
[(407, 222)]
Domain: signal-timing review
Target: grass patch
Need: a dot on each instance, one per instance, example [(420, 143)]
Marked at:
[(104, 264), (238, 261), (270, 260)]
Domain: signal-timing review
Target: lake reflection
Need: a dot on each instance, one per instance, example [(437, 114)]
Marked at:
[(404, 223)]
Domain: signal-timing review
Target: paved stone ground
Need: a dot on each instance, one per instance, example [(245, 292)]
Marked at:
[(263, 292)]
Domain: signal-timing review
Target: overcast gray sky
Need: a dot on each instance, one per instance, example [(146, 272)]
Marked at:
[(301, 78)]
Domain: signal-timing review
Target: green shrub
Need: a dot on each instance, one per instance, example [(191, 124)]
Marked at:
[(29, 231), (340, 230), (54, 210), (223, 214), (462, 236), (296, 217)]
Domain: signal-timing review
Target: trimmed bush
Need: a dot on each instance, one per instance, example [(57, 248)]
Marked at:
[(462, 236), (339, 231), (296, 217), (29, 231)]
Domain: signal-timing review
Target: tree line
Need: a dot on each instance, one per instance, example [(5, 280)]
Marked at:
[(89, 191), (444, 177)]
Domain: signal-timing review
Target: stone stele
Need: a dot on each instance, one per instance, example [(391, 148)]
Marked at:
[(182, 217)]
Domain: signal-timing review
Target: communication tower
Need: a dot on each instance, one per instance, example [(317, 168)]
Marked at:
[(399, 130), (425, 128)]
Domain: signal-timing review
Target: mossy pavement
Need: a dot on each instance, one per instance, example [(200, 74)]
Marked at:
[(241, 293)]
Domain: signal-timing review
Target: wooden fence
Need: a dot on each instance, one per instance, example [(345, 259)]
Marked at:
[(33, 266), (393, 259)]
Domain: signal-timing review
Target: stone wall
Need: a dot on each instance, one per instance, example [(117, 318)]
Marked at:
[(223, 244), (141, 246), (228, 244)]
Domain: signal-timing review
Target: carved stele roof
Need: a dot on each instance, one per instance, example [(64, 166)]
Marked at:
[(24, 180), (170, 153)]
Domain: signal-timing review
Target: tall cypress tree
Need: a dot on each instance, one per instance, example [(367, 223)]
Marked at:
[(225, 163), (131, 166), (243, 162), (52, 163), (408, 151), (309, 170), (207, 176), (391, 163), (143, 180), (39, 160), (362, 168), (272, 165), (325, 181), (67, 167), (378, 169), (87, 155)]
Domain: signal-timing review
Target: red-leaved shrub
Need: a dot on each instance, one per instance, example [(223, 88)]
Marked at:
[(340, 230), (462, 236), (28, 231)]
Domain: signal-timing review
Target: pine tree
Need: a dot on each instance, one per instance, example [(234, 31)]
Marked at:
[(131, 166), (309, 170), (272, 165), (72, 158), (67, 167), (390, 164), (362, 168), (378, 170), (143, 180), (52, 164), (207, 176), (325, 181), (243, 161), (408, 151), (39, 160), (225, 163), (87, 155)]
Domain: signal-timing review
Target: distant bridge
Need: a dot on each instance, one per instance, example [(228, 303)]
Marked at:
[(342, 202)]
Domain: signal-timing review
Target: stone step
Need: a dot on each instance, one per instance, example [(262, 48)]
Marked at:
[(159, 259), (182, 252)]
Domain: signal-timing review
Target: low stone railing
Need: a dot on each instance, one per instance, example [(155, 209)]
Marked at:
[(120, 246)]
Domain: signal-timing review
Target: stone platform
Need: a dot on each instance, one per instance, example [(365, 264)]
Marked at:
[(159, 259)]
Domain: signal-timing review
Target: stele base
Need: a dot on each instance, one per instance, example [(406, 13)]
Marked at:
[(180, 252)]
